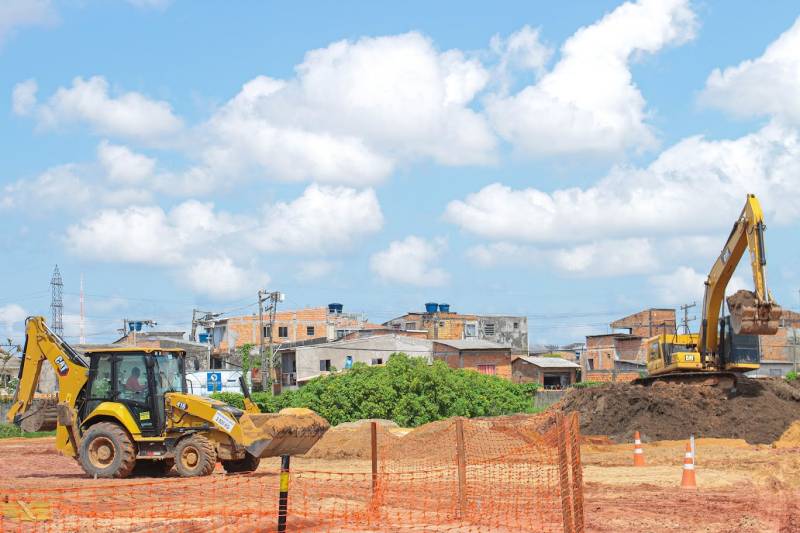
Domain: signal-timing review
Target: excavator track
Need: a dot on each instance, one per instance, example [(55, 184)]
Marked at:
[(724, 380)]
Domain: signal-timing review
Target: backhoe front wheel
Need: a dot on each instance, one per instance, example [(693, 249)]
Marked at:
[(195, 456), (107, 451)]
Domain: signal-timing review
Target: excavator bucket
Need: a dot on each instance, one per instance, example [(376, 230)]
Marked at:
[(749, 316), (291, 431)]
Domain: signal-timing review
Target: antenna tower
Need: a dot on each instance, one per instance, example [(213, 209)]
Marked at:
[(57, 303)]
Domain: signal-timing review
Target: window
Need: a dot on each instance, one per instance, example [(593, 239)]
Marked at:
[(377, 361), (516, 325), (324, 365), (488, 329), (411, 325), (283, 331), (267, 332), (101, 384), (441, 324), (469, 330), (590, 364), (489, 370), (396, 326), (310, 331)]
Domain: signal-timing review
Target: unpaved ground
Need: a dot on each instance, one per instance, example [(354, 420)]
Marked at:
[(741, 487)]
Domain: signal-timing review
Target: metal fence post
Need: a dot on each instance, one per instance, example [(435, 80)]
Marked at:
[(374, 449), (283, 498)]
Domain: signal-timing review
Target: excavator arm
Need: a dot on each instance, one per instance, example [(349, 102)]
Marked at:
[(42, 344), (751, 312)]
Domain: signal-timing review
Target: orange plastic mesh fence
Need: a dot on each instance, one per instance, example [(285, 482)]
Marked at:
[(517, 473)]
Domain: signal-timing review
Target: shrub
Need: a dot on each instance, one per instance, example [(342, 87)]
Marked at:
[(791, 375), (406, 390), (587, 384)]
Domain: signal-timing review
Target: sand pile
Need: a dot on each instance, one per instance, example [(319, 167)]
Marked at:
[(790, 437), (759, 412), (352, 440)]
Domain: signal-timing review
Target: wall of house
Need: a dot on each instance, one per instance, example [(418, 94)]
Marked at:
[(600, 350), (508, 331), (781, 346), (609, 375), (472, 359), (524, 372), (648, 322)]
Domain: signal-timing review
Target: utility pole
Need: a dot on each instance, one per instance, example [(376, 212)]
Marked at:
[(685, 322), (268, 364), (207, 320)]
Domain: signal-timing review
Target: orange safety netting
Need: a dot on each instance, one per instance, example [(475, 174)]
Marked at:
[(517, 473)]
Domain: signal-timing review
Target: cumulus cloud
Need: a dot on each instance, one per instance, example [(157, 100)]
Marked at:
[(129, 114), (685, 284), (123, 165), (696, 186), (353, 112), (314, 270), (411, 262), (12, 314), (766, 86), (15, 14), (221, 279), (322, 220), (588, 102)]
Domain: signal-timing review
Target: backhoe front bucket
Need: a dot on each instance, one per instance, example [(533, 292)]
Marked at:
[(288, 432), (749, 316)]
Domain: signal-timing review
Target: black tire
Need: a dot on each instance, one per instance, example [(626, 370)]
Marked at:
[(195, 456), (248, 464), (155, 467), (107, 451)]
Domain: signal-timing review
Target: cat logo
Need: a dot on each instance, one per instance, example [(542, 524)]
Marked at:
[(63, 369)]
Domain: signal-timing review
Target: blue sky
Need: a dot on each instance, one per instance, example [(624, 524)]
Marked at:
[(572, 162)]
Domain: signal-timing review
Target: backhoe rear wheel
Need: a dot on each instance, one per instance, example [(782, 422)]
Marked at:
[(248, 464), (107, 451), (195, 456)]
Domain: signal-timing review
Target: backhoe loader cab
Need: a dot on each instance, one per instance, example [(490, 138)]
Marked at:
[(138, 381), (127, 407)]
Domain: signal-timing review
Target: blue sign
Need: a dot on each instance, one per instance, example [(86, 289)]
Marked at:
[(214, 380)]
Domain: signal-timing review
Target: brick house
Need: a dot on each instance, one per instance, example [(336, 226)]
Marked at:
[(549, 372), (483, 356), (647, 323)]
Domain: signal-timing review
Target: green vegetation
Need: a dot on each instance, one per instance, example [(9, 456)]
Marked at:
[(406, 389), (791, 375), (8, 431), (587, 384)]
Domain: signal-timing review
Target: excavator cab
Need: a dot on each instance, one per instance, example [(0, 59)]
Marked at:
[(138, 380), (739, 351)]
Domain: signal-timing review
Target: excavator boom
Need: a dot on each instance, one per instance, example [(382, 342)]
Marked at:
[(752, 312)]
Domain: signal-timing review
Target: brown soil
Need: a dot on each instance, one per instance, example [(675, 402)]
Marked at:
[(790, 438), (759, 412), (351, 440)]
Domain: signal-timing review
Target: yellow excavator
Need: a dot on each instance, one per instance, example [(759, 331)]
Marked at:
[(725, 347), (127, 407)]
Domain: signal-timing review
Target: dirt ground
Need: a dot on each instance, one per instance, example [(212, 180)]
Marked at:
[(741, 487)]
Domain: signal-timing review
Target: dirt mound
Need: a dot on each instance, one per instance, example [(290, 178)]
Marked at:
[(790, 437), (759, 412), (352, 440)]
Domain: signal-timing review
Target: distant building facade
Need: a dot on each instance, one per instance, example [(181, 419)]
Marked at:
[(440, 323)]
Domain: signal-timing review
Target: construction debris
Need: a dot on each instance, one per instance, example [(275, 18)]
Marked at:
[(751, 317)]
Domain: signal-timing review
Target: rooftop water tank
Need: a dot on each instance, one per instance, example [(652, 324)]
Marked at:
[(431, 307), (335, 308), (444, 308), (203, 337)]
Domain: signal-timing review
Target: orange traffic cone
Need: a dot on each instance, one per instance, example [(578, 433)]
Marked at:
[(688, 480), (638, 452)]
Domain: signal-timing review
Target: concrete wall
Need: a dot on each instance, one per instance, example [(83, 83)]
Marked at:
[(508, 331), (307, 358), (648, 322), (524, 372)]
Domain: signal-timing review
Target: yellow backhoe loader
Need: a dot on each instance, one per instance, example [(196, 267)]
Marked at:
[(725, 347), (125, 406)]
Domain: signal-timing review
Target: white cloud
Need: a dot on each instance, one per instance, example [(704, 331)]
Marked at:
[(123, 165), (129, 114), (221, 279), (314, 270), (685, 284), (12, 314), (16, 14), (695, 187), (598, 259), (23, 99), (148, 235), (767, 85), (520, 51), (410, 262), (588, 101), (322, 220), (354, 111)]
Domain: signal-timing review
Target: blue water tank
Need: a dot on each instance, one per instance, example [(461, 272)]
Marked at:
[(335, 308), (203, 338), (431, 307), (444, 308)]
